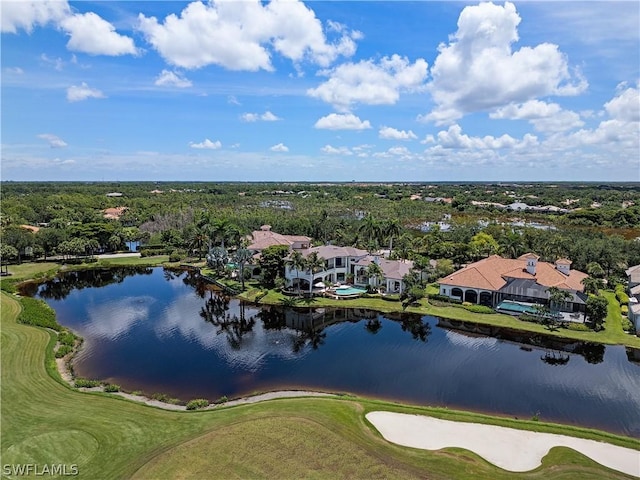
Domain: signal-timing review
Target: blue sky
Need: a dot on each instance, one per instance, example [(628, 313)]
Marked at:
[(336, 91)]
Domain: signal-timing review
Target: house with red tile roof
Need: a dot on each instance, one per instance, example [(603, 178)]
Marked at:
[(265, 237), (524, 279)]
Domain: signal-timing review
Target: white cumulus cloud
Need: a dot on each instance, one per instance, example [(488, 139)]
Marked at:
[(88, 32), (54, 140), (342, 121), (370, 83), (390, 133), (455, 139), (77, 93), (26, 15), (243, 35), (328, 149), (545, 117), (91, 34), (478, 70), (280, 147), (265, 117), (626, 105), (206, 144), (168, 78)]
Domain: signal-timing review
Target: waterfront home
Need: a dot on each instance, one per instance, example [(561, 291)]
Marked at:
[(524, 279), (633, 275), (349, 265), (265, 237)]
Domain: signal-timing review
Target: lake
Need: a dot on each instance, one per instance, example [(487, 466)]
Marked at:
[(164, 331)]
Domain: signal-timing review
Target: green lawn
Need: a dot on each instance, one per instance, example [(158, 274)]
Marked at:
[(611, 334), (43, 421), (145, 261)]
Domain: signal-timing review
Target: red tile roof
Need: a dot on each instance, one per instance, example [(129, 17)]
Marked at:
[(492, 273)]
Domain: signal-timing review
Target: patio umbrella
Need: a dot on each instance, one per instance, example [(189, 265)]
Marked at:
[(319, 285)]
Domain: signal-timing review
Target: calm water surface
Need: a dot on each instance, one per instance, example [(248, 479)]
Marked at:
[(161, 331)]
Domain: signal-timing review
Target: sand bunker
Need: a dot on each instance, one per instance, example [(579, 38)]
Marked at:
[(508, 448)]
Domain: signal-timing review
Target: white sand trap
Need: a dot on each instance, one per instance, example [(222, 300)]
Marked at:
[(508, 448)]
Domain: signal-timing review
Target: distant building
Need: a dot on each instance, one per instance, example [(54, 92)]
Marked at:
[(113, 213), (114, 194)]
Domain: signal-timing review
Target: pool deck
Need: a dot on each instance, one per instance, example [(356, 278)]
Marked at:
[(577, 317)]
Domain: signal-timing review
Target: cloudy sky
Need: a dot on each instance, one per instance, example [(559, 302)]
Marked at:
[(323, 90)]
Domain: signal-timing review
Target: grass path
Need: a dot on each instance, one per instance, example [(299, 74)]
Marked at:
[(45, 422)]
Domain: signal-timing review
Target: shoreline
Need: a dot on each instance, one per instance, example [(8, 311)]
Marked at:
[(447, 313), (67, 377)]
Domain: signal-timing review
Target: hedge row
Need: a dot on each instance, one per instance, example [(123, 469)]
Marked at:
[(444, 298), (478, 308), (621, 295)]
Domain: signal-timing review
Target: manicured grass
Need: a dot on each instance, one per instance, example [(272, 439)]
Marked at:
[(31, 270), (137, 261), (45, 422)]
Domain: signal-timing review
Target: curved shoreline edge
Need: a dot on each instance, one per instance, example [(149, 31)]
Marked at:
[(508, 448), (66, 376)]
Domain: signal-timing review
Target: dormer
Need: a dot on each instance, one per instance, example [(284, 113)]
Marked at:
[(531, 262), (563, 265)]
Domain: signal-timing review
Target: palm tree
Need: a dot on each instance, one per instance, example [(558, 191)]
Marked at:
[(592, 285), (369, 229), (217, 258), (242, 257), (558, 297), (297, 262), (511, 244), (595, 270), (313, 264), (391, 228), (374, 271), (198, 240)]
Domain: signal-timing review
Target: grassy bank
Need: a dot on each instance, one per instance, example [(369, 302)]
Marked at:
[(612, 333), (46, 422)]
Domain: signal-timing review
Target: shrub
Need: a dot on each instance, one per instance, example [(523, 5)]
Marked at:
[(578, 327), (444, 298), (137, 393), (67, 338), (624, 309), (222, 399), (37, 312), (111, 388), (627, 325), (63, 350), (622, 297), (197, 403), (160, 397), (85, 383), (478, 308), (176, 255)]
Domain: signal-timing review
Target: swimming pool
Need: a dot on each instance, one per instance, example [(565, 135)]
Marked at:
[(349, 291), (511, 306)]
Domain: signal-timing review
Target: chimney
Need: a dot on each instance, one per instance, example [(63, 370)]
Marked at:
[(563, 265), (532, 262)]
